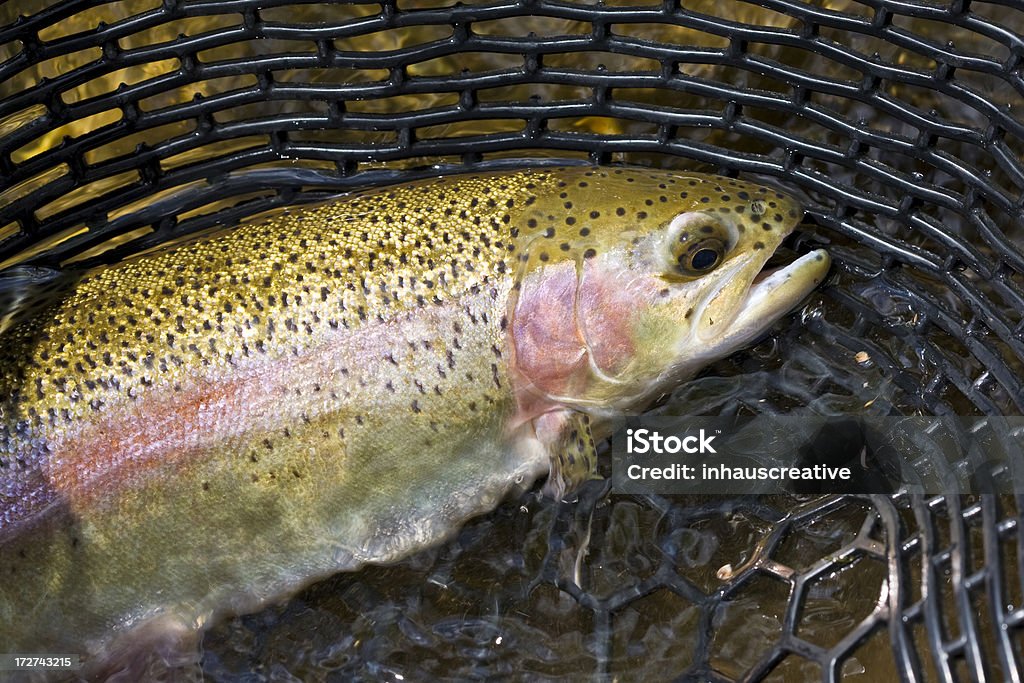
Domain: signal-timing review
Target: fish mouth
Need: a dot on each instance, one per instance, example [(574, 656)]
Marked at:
[(761, 297), (763, 287), (775, 291)]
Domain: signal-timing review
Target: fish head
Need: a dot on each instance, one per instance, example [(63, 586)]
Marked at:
[(630, 280)]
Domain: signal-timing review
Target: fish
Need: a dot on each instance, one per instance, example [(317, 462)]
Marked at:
[(204, 430)]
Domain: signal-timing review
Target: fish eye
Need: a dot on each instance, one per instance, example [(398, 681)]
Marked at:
[(701, 257), (695, 244)]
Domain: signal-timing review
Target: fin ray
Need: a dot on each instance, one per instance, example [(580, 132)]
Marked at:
[(570, 444)]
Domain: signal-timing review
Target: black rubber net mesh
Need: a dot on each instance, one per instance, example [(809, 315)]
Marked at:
[(900, 124)]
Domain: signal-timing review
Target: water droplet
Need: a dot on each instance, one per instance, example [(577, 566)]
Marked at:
[(811, 312)]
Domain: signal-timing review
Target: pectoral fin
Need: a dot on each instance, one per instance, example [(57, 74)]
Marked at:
[(569, 442)]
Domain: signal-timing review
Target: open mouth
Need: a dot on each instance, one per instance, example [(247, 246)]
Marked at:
[(779, 287), (765, 273), (782, 258), (773, 292), (792, 248)]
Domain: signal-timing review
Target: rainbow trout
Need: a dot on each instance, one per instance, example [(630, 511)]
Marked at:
[(198, 431)]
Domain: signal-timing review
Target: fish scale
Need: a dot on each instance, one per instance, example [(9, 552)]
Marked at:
[(258, 294), (272, 288), (202, 429)]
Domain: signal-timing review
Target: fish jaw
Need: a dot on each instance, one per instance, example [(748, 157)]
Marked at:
[(769, 298)]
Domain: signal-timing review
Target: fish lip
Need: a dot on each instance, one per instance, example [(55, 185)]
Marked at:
[(774, 292)]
